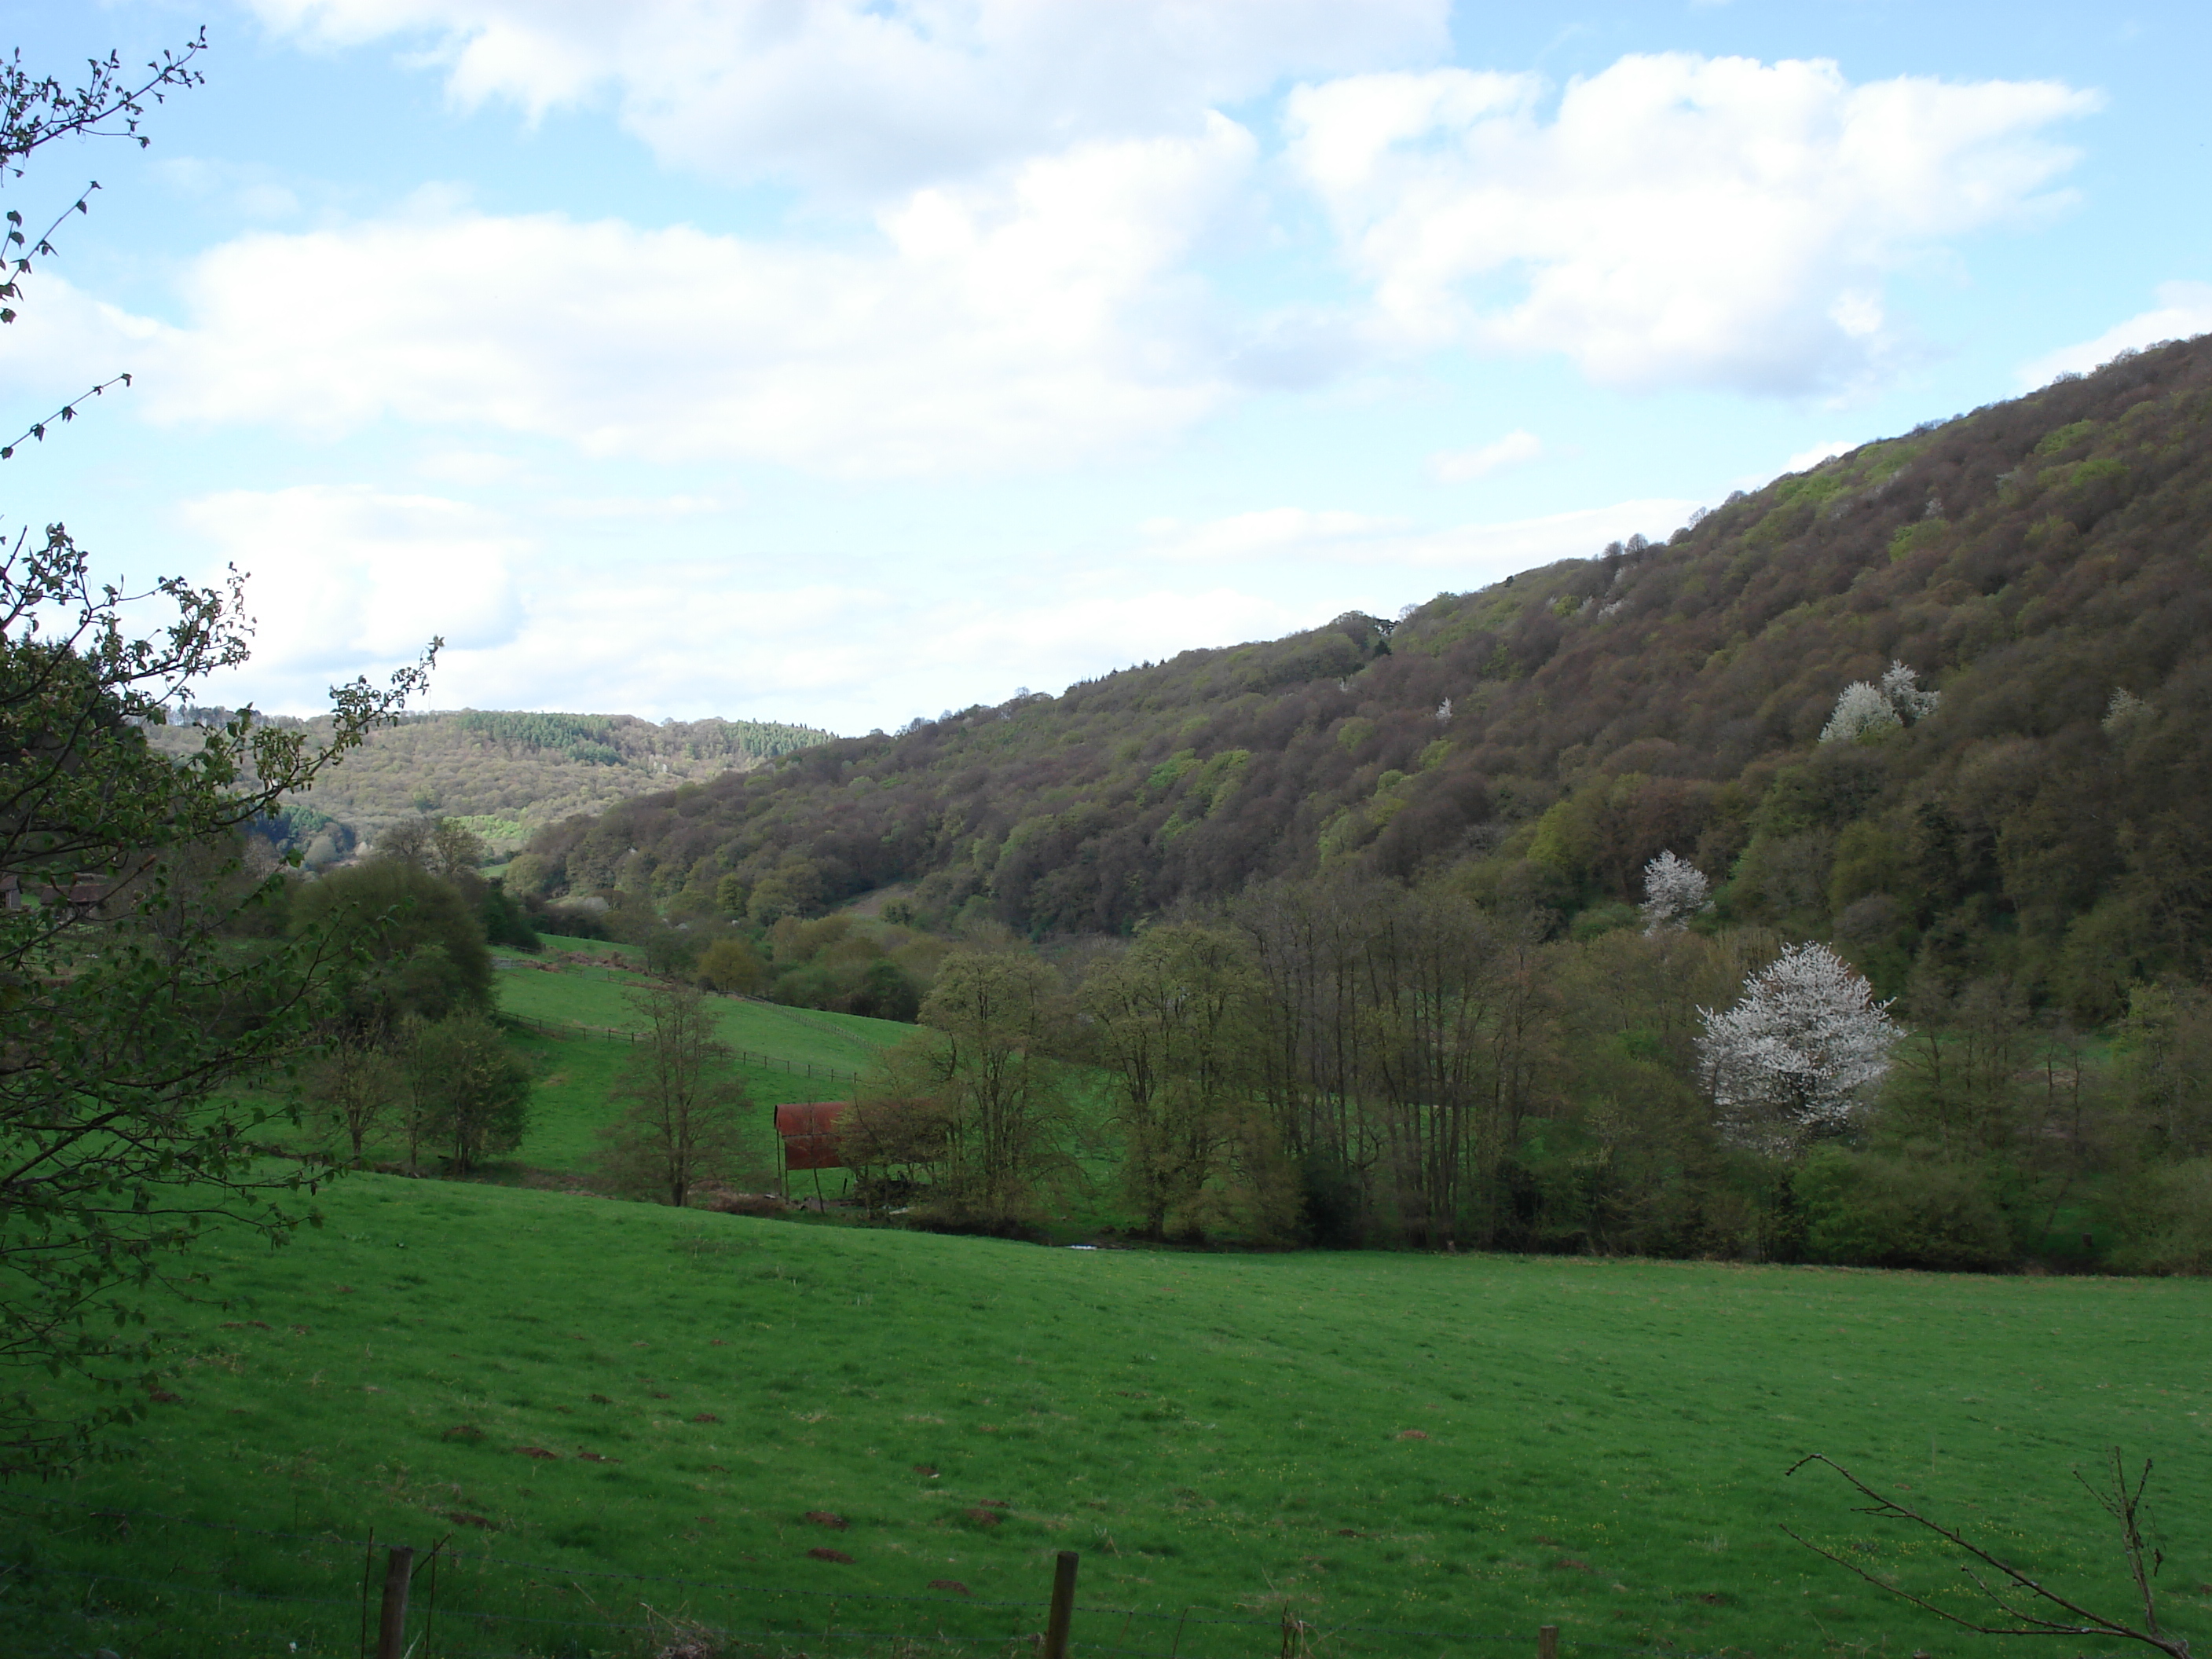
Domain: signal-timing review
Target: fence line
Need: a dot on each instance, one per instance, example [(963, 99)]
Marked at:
[(1548, 1640), (749, 1056)]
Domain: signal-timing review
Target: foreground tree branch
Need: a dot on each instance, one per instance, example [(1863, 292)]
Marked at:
[(135, 994), (2024, 1606)]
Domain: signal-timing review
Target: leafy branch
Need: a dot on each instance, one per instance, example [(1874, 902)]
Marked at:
[(37, 110), (66, 412), (14, 265), (2025, 1604)]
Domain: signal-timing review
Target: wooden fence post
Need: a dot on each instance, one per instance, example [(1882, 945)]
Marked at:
[(391, 1627), (1063, 1606), (1547, 1642)]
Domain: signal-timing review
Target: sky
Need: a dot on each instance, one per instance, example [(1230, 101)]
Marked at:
[(850, 361)]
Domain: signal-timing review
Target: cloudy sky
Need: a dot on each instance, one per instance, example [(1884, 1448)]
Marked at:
[(841, 361)]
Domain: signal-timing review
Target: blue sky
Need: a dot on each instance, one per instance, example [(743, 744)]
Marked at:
[(845, 362)]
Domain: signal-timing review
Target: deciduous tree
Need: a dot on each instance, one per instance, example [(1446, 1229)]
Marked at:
[(998, 1016), (1792, 1060), (474, 1087), (1675, 889), (1176, 1027), (684, 1105)]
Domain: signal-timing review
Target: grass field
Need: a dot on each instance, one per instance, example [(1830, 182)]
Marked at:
[(1465, 1445), (586, 996), (576, 1069)]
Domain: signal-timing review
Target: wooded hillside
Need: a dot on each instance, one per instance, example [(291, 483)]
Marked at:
[(507, 774), (2041, 563)]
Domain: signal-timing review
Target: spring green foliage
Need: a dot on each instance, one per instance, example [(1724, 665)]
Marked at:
[(140, 980), (469, 1089), (684, 1107), (410, 944), (1477, 1444), (1433, 836), (1549, 736)]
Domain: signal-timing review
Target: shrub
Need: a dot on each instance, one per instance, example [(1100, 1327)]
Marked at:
[(733, 967), (2166, 1220), (1865, 1210)]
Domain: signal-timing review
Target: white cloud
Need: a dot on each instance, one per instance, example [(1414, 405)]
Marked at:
[(340, 579), (2183, 310), (470, 466), (1516, 448), (634, 506), (1677, 220), (1272, 533), (879, 95), (347, 582), (1020, 323), (1805, 459), (1476, 553)]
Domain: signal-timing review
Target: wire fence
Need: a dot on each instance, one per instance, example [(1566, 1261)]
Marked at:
[(748, 1056), (623, 1034), (326, 1593)]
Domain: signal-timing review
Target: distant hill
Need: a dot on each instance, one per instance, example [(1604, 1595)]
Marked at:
[(2044, 564), (509, 773)]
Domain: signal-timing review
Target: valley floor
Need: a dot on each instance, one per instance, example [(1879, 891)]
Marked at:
[(576, 1389)]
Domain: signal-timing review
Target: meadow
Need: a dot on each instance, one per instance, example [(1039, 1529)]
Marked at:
[(775, 1423), (576, 1068)]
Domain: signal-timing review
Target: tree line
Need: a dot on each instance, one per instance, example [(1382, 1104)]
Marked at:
[(1348, 1061)]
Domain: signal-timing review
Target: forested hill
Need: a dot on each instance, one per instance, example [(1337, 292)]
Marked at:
[(2042, 563), (508, 773)]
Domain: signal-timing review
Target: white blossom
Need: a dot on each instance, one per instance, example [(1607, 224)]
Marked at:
[(1862, 708), (1902, 687), (1675, 889), (1443, 709), (1794, 1058), (2124, 709)]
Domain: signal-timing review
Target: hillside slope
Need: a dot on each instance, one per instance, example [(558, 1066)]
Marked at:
[(2040, 562), (510, 772)]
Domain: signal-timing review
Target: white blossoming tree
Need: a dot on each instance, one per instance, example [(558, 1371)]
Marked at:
[(1791, 1061), (1902, 687), (1864, 708), (1675, 889)]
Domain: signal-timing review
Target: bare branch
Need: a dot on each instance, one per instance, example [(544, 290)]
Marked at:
[(2078, 1620)]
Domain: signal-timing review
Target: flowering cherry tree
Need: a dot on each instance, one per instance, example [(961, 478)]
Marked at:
[(1675, 889), (1791, 1060), (1863, 706)]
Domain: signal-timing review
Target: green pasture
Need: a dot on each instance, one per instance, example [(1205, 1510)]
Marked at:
[(587, 995), (1470, 1446), (576, 1069), (571, 1103), (597, 947)]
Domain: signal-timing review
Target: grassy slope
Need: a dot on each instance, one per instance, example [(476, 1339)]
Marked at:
[(1605, 1441), (587, 995), (575, 1071)]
